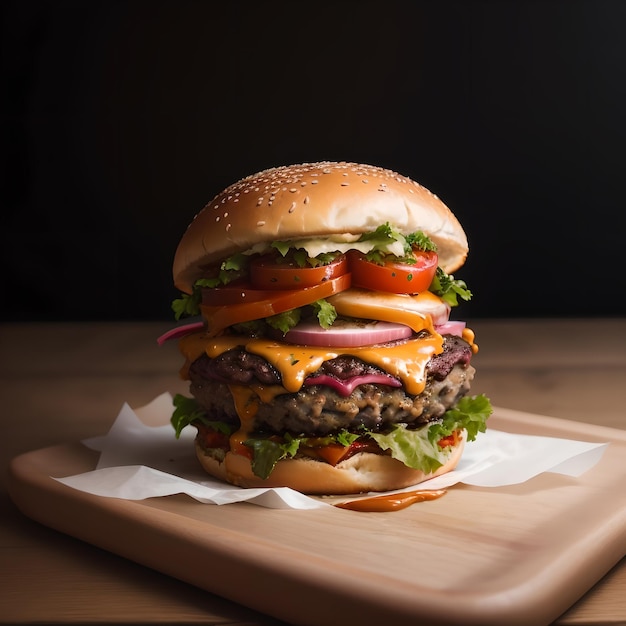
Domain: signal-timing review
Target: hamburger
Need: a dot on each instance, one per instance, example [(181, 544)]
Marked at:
[(321, 354)]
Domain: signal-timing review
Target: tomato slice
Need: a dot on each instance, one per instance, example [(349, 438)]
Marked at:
[(211, 438), (267, 273), (334, 453), (450, 440), (220, 317), (394, 277), (239, 292)]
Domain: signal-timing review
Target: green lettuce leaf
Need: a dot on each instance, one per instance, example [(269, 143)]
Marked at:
[(188, 305), (265, 454), (187, 411), (386, 236), (284, 321), (413, 447), (419, 449), (448, 288), (325, 312)]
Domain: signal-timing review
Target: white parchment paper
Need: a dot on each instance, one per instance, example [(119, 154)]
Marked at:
[(141, 458)]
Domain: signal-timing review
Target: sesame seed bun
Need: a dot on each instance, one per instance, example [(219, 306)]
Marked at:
[(314, 200), (361, 473)]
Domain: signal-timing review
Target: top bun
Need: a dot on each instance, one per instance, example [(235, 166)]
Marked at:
[(311, 200)]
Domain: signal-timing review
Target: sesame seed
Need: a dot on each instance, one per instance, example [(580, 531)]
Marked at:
[(345, 184), (292, 207), (306, 200), (260, 223), (259, 202)]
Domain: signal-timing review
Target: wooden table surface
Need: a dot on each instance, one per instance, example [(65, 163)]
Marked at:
[(65, 382)]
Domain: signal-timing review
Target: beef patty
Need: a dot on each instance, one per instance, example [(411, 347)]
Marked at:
[(317, 410)]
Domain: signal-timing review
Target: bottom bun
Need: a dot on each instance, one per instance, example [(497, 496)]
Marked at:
[(360, 473)]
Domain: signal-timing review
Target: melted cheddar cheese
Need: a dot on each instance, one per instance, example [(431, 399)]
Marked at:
[(246, 404), (405, 361)]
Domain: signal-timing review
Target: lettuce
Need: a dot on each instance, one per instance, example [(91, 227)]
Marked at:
[(267, 452), (388, 243), (448, 288), (413, 447), (284, 321), (419, 448), (187, 411), (325, 312)]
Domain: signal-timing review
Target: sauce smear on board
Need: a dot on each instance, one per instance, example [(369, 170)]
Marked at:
[(391, 502)]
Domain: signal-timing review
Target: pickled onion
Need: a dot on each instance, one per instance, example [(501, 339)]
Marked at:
[(346, 387)]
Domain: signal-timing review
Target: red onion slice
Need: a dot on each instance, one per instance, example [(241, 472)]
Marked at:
[(180, 331), (346, 334)]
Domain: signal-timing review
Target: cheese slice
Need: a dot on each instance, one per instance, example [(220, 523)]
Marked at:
[(415, 311)]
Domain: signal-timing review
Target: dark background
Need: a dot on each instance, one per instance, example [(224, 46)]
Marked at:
[(120, 120)]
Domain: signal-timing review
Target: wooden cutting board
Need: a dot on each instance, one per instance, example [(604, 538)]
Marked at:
[(517, 555)]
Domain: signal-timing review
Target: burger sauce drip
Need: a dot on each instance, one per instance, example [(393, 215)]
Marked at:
[(391, 502), (246, 405), (469, 336)]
